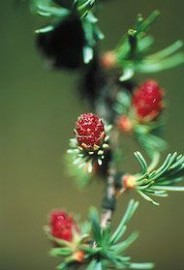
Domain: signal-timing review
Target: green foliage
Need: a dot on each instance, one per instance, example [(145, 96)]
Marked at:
[(87, 159), (102, 249), (148, 135), (123, 102), (132, 51), (107, 248), (74, 170), (154, 181), (80, 8), (47, 8), (84, 6)]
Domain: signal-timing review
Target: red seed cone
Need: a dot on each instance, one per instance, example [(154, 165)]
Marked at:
[(148, 101), (90, 131), (62, 225)]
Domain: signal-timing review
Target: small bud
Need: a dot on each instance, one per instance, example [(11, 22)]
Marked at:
[(79, 256), (108, 60), (62, 225), (90, 132), (148, 101), (124, 124), (129, 182)]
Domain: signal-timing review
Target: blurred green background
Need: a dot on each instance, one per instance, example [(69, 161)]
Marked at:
[(37, 111)]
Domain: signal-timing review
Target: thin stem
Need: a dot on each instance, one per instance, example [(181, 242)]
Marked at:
[(108, 203), (106, 218)]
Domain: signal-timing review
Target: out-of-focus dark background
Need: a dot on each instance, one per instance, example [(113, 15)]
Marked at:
[(37, 112)]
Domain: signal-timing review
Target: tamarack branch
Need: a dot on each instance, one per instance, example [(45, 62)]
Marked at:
[(121, 106)]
